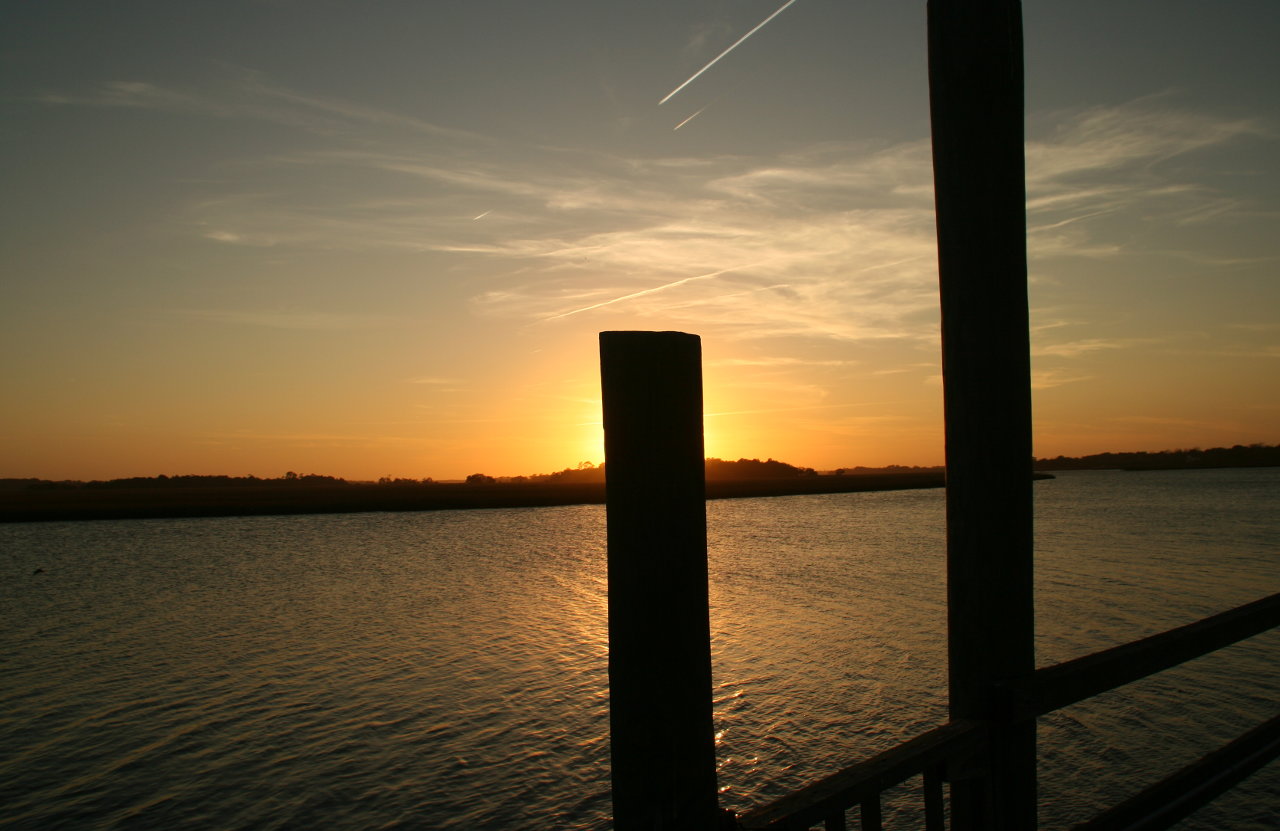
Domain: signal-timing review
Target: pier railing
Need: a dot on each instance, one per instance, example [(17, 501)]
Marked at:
[(954, 751)]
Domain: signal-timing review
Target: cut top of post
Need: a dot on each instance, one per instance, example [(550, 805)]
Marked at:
[(652, 383)]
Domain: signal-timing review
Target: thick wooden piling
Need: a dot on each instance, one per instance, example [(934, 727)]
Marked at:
[(662, 741), (976, 103)]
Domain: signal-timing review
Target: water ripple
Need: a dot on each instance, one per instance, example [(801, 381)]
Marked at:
[(448, 670)]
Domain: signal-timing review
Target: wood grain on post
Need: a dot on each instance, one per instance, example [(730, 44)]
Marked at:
[(662, 741), (976, 105)]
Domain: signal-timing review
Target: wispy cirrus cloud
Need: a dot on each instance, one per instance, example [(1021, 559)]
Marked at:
[(1137, 136), (370, 439), (291, 320), (435, 381), (833, 240), (778, 361), (1172, 421), (245, 94), (1043, 379), (1108, 163), (1086, 346)]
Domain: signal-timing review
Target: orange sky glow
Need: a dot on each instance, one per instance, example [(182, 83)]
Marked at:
[(382, 241)]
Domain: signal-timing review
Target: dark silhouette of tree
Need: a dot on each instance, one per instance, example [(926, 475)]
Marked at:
[(720, 469), (1254, 455), (584, 472)]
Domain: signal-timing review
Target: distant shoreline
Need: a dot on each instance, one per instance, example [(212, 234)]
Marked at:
[(272, 499)]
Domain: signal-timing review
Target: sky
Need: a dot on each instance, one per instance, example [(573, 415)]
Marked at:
[(380, 238)]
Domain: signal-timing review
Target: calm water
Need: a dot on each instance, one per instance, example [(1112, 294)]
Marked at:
[(447, 670)]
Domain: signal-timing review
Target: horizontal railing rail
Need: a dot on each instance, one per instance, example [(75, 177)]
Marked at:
[(861, 784), (1054, 687), (952, 751), (1174, 798)]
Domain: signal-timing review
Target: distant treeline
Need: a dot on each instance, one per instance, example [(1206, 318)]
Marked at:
[(163, 481), (861, 470), (584, 473), (1254, 455), (718, 470)]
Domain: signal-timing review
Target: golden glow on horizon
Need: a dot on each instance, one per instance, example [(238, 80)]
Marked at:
[(358, 275), (716, 442), (591, 434)]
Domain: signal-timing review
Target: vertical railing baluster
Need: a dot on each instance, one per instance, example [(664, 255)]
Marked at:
[(869, 814), (835, 822), (934, 807)]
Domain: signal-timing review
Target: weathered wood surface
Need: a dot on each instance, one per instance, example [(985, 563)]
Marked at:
[(662, 743), (976, 108)]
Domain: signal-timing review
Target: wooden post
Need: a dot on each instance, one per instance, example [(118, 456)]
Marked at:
[(662, 742), (976, 103)]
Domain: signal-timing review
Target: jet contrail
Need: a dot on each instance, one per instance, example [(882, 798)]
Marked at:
[(687, 120), (482, 216), (653, 290), (737, 43)]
